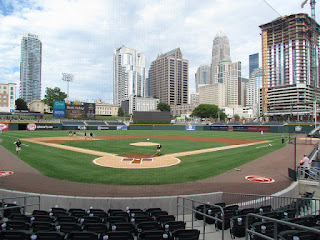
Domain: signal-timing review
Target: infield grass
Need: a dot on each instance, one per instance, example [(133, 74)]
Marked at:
[(73, 166)]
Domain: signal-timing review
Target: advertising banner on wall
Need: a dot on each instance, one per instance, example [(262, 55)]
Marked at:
[(59, 109), (122, 128), (219, 128), (4, 126), (190, 128)]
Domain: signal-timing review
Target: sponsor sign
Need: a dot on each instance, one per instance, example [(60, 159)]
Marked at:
[(190, 128), (82, 128), (103, 128), (219, 128), (31, 126), (5, 173), (240, 128), (298, 128), (258, 128), (259, 179), (44, 126), (90, 110), (4, 126), (59, 109), (122, 128)]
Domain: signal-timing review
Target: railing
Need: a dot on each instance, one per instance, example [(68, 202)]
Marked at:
[(302, 206), (22, 203), (275, 227), (310, 174), (188, 206)]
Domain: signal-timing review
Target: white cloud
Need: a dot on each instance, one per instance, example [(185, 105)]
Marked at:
[(79, 37)]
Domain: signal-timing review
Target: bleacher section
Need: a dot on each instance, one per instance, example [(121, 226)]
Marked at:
[(115, 123), (75, 223), (95, 123), (67, 122)]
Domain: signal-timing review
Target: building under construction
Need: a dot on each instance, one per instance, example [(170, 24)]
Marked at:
[(290, 62)]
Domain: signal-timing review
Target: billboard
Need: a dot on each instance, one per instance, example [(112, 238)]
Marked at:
[(190, 128), (4, 126), (80, 110), (59, 109)]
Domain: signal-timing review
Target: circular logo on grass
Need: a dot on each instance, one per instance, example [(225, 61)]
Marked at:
[(5, 173), (259, 179)]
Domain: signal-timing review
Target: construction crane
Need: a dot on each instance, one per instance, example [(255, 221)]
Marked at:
[(313, 7)]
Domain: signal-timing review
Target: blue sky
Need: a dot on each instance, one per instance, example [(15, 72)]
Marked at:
[(80, 36)]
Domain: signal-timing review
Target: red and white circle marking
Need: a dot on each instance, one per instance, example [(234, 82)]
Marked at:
[(31, 126), (259, 179), (5, 173)]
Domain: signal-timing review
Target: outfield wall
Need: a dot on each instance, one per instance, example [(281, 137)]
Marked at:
[(285, 128)]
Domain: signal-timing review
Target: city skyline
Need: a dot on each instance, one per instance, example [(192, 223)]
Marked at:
[(80, 38)]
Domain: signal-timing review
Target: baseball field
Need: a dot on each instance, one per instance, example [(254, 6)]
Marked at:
[(129, 157)]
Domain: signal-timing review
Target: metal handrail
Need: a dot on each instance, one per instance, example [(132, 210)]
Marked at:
[(23, 206), (276, 222), (193, 210)]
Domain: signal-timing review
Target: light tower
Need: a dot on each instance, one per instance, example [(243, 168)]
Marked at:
[(67, 77)]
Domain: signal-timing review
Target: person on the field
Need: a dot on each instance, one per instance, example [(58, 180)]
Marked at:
[(18, 146), (91, 135), (159, 147)]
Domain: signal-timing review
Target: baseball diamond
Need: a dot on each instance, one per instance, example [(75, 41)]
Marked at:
[(149, 161)]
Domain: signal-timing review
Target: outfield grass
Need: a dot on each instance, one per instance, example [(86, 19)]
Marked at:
[(73, 166)]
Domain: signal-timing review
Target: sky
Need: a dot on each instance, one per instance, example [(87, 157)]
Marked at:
[(80, 36)]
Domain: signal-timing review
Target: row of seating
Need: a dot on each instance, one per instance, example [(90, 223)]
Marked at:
[(59, 223)]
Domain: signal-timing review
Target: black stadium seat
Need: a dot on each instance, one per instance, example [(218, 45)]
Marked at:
[(15, 235), (42, 235), (118, 235), (186, 234), (82, 236)]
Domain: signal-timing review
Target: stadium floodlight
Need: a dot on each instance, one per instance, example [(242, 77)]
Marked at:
[(67, 77)]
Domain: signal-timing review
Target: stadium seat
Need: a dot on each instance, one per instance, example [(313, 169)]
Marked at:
[(11, 208), (165, 218), (267, 208), (99, 228), (186, 234), (15, 225), (88, 219), (42, 218), (158, 213), (115, 219), (151, 225), (174, 225), (149, 210), (42, 235), (245, 211), (153, 235), (77, 212), (237, 226), (15, 235), (66, 218), (118, 235), (128, 227), (82, 236), (40, 212), (19, 217), (227, 215), (138, 219), (67, 227), (288, 213), (42, 226), (265, 228), (302, 235)]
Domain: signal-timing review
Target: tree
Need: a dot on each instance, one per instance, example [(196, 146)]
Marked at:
[(207, 111), (52, 95), (120, 112), (163, 107), (236, 117), (21, 104)]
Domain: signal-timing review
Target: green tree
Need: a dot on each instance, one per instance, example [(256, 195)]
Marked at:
[(163, 107), (53, 94), (236, 117), (21, 104), (120, 112), (207, 111)]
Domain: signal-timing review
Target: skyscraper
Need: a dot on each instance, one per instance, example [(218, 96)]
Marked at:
[(253, 63), (128, 74), (220, 51), (30, 67), (290, 63), (202, 76), (168, 78)]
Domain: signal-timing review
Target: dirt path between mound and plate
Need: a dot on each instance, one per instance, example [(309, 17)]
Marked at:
[(274, 165)]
